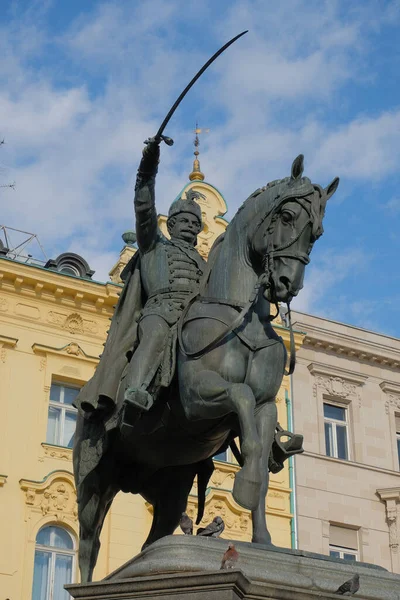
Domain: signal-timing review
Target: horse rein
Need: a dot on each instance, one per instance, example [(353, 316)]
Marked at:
[(234, 325)]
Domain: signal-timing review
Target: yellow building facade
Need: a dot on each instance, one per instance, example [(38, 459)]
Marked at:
[(52, 328)]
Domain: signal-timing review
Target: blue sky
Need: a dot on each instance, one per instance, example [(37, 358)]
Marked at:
[(84, 83)]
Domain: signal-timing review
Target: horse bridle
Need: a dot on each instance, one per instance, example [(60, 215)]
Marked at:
[(264, 280), (269, 268)]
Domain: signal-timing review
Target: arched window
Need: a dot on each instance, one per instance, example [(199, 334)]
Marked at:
[(54, 564)]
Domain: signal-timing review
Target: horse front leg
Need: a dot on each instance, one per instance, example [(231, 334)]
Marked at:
[(266, 419), (209, 396)]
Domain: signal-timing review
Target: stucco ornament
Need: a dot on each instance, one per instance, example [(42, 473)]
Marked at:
[(336, 386), (54, 497)]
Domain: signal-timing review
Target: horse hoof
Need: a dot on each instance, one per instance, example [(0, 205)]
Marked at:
[(246, 492)]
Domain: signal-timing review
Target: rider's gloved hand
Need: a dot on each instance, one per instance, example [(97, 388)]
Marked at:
[(151, 157)]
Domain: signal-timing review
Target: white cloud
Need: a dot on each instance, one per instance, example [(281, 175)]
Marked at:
[(75, 143), (325, 272)]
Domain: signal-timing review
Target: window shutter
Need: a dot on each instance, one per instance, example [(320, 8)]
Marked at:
[(343, 536), (397, 417)]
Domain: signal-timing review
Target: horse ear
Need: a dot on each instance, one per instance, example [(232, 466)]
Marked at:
[(331, 188), (298, 167)]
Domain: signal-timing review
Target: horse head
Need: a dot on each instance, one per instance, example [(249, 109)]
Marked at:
[(289, 214)]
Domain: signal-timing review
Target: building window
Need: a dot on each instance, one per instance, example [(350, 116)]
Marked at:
[(335, 421), (343, 542), (54, 564), (62, 415), (346, 553)]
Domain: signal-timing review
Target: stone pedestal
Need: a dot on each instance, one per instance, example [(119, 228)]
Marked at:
[(187, 568)]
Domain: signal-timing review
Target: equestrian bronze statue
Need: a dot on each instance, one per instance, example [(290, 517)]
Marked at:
[(218, 371)]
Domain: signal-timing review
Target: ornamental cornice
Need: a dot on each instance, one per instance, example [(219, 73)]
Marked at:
[(36, 282), (351, 346), (330, 372), (8, 341), (55, 496), (390, 387), (392, 393), (389, 494), (336, 382), (72, 349)]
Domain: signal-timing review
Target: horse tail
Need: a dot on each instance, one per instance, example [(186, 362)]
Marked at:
[(205, 469)]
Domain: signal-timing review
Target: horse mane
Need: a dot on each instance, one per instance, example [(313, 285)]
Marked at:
[(280, 191)]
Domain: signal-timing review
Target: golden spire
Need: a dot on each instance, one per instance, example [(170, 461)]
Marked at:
[(196, 174)]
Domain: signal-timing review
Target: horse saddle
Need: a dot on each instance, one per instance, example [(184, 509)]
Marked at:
[(282, 450)]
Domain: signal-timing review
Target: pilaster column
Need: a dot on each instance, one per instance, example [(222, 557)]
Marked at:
[(391, 497)]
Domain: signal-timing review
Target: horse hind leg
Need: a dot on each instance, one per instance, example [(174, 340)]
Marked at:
[(94, 501), (212, 397)]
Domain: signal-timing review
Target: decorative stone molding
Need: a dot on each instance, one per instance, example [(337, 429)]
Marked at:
[(71, 349), (5, 343), (3, 304), (392, 391), (357, 348), (391, 496), (336, 382), (237, 520), (8, 341), (219, 503), (55, 496), (57, 452), (51, 285), (222, 478), (73, 322)]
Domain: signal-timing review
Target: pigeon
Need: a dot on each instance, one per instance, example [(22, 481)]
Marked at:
[(186, 524), (350, 587), (230, 558), (213, 529)]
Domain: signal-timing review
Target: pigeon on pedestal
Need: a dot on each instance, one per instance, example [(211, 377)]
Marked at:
[(186, 524), (230, 558), (213, 529), (350, 587)]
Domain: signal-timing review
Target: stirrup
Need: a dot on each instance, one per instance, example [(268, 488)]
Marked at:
[(281, 450)]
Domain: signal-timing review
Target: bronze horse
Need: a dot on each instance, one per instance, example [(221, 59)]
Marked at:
[(230, 366)]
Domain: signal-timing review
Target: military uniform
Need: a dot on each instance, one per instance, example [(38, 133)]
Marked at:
[(171, 271)]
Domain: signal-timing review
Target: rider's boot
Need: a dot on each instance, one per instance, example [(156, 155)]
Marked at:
[(136, 401)]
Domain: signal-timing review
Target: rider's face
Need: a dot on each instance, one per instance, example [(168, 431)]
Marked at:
[(185, 226)]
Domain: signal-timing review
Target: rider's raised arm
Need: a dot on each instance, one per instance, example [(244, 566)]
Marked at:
[(145, 210)]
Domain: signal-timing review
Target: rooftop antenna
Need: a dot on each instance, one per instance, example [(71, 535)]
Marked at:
[(18, 242)]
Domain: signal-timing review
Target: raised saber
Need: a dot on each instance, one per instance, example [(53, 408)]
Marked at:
[(159, 135)]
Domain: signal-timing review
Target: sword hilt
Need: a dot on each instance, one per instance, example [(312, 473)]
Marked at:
[(169, 141)]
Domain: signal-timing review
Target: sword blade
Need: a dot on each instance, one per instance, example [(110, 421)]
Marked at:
[(195, 78)]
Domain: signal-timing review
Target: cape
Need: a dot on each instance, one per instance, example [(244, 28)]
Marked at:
[(121, 340), (91, 439)]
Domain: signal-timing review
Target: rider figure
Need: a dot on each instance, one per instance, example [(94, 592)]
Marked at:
[(170, 275)]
